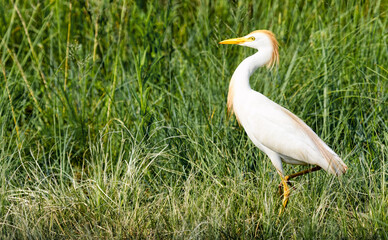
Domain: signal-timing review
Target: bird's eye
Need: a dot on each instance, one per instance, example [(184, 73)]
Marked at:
[(252, 38)]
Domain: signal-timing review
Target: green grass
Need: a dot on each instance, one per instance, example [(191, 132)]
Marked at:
[(113, 119)]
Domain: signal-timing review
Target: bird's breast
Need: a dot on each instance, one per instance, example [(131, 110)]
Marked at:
[(246, 103)]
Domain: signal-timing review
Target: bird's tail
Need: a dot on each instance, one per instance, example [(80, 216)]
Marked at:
[(333, 163), (336, 165)]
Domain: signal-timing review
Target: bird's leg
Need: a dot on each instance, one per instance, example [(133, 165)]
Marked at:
[(296, 175), (285, 182), (286, 193), (281, 187), (303, 172)]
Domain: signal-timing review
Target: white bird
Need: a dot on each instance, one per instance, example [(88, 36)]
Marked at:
[(273, 129)]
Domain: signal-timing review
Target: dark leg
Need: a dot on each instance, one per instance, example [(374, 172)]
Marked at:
[(303, 172)]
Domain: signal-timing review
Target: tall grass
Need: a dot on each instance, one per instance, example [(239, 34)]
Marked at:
[(113, 119)]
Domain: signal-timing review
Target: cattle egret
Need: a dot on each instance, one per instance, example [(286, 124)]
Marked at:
[(273, 129)]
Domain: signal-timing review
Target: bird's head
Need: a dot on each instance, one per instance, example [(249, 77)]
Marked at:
[(260, 40)]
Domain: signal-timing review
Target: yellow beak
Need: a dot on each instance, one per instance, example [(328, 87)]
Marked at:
[(236, 41)]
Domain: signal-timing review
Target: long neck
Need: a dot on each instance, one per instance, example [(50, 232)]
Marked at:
[(239, 84)]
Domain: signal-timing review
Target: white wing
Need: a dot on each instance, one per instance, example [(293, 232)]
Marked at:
[(278, 129)]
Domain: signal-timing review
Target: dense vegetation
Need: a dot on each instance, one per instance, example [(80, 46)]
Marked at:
[(113, 119)]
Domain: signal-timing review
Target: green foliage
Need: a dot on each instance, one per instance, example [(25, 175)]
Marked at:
[(113, 119)]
